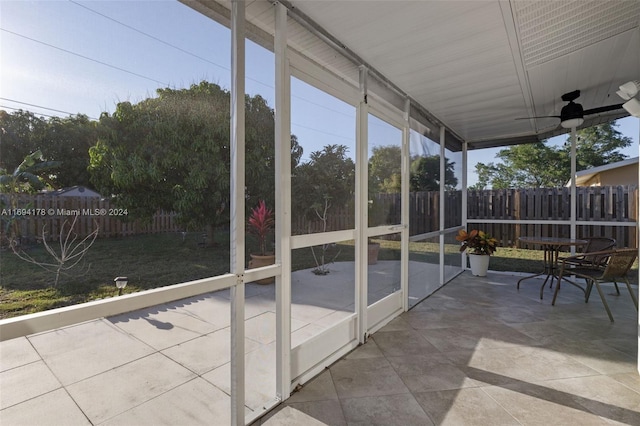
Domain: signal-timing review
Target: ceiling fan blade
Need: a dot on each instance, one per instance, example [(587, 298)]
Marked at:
[(602, 109), (541, 116)]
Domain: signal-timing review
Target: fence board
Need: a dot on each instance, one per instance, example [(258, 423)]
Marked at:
[(614, 204), (45, 213)]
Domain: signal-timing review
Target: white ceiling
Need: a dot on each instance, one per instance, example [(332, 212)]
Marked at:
[(474, 66)]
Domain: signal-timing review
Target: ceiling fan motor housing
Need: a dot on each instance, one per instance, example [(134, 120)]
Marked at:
[(571, 111)]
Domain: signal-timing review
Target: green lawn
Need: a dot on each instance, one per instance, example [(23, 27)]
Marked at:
[(158, 260)]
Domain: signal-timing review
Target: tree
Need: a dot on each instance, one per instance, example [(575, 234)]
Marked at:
[(68, 254), (172, 152), (65, 140), (20, 135), (30, 175), (425, 174), (68, 140), (328, 176), (539, 165), (385, 167), (598, 145)]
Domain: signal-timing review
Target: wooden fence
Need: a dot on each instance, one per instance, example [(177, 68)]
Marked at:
[(35, 213), (594, 204)]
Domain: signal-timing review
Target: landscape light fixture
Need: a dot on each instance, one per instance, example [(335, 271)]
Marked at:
[(121, 283)]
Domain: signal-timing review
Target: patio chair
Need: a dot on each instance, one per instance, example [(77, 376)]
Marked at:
[(588, 258), (613, 265), (594, 244)]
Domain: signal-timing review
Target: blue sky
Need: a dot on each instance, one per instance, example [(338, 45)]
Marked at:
[(85, 57)]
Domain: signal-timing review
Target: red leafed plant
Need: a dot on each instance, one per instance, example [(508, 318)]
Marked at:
[(260, 223)]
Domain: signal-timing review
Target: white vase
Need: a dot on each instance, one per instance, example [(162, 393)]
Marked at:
[(479, 264)]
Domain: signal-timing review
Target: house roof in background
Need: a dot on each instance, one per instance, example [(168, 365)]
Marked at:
[(584, 176)]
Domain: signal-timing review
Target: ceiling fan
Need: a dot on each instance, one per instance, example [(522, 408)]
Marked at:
[(572, 114)]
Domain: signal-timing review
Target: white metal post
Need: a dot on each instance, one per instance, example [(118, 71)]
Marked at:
[(362, 207), (404, 209), (237, 210), (465, 194), (442, 197), (283, 205), (573, 188)]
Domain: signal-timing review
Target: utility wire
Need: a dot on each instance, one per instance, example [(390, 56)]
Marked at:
[(85, 57), (19, 109), (41, 107), (195, 55), (149, 35)]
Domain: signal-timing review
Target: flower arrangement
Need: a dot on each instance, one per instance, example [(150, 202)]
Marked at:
[(477, 242), (260, 223)]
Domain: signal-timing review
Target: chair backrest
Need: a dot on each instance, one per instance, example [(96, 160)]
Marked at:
[(619, 263), (597, 244)]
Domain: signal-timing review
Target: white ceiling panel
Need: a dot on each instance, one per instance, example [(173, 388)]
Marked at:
[(473, 66)]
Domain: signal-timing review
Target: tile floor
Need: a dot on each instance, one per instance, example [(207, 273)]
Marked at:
[(480, 352)]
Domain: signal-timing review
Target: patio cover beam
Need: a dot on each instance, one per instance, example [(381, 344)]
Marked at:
[(237, 242)]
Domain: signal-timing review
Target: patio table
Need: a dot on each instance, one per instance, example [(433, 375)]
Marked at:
[(551, 247)]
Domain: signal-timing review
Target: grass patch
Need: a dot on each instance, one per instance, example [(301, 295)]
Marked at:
[(152, 261)]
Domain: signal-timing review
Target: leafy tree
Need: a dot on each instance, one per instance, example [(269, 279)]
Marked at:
[(385, 168), (65, 140), (68, 140), (539, 165), (21, 134), (172, 152), (425, 173), (30, 175), (598, 145), (327, 179)]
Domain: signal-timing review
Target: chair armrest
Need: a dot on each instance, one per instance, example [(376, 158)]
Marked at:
[(593, 260)]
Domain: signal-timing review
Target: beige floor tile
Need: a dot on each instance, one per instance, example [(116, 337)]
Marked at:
[(80, 351), (603, 396), (366, 377), (385, 410), (194, 403), (51, 409), (206, 352), (25, 382), (260, 377), (368, 350), (631, 380), (262, 328), (290, 416), (423, 373), (403, 342), (464, 407), (528, 363), (321, 388), (16, 352), (537, 404), (163, 327), (108, 394)]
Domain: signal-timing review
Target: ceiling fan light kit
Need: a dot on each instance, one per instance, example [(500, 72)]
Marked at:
[(572, 122), (629, 90), (633, 107)]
